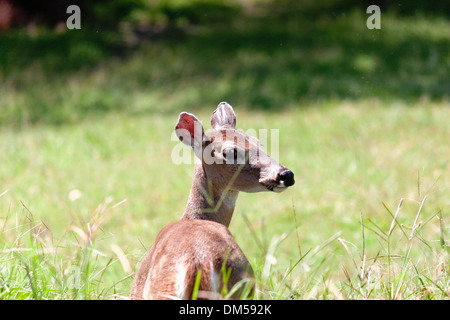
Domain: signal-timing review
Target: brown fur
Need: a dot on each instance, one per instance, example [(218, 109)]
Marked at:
[(200, 240), (207, 241)]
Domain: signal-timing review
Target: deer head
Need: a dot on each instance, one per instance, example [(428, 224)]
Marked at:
[(230, 156)]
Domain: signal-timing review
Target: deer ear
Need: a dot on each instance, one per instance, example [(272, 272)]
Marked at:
[(223, 117), (189, 130)]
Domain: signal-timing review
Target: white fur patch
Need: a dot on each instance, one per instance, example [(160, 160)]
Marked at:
[(214, 277), (229, 199), (146, 291), (180, 281)]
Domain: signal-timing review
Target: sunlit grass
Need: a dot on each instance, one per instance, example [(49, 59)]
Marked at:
[(39, 264), (348, 159)]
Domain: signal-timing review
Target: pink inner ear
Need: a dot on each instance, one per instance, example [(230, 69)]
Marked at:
[(186, 122)]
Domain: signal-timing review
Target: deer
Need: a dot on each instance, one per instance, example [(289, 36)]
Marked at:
[(198, 249)]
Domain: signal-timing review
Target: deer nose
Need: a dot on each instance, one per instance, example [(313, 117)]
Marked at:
[(287, 178)]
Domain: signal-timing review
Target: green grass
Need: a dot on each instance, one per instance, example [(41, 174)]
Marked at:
[(87, 181), (349, 159), (268, 61)]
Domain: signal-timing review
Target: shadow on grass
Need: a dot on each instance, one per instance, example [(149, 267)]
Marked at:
[(57, 53), (269, 58)]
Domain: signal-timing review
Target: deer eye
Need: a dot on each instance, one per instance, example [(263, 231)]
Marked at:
[(227, 153)]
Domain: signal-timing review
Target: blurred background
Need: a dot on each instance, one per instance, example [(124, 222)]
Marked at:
[(87, 115), (258, 53)]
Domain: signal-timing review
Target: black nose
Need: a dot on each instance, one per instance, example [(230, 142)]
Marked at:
[(287, 177)]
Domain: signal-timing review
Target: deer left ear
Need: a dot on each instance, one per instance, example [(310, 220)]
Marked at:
[(223, 117), (189, 130)]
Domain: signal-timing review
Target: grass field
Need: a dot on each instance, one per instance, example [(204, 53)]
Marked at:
[(87, 181)]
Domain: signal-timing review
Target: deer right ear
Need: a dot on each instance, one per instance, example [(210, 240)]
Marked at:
[(223, 117), (189, 130)]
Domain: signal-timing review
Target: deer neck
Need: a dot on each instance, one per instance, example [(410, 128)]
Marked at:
[(209, 201)]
